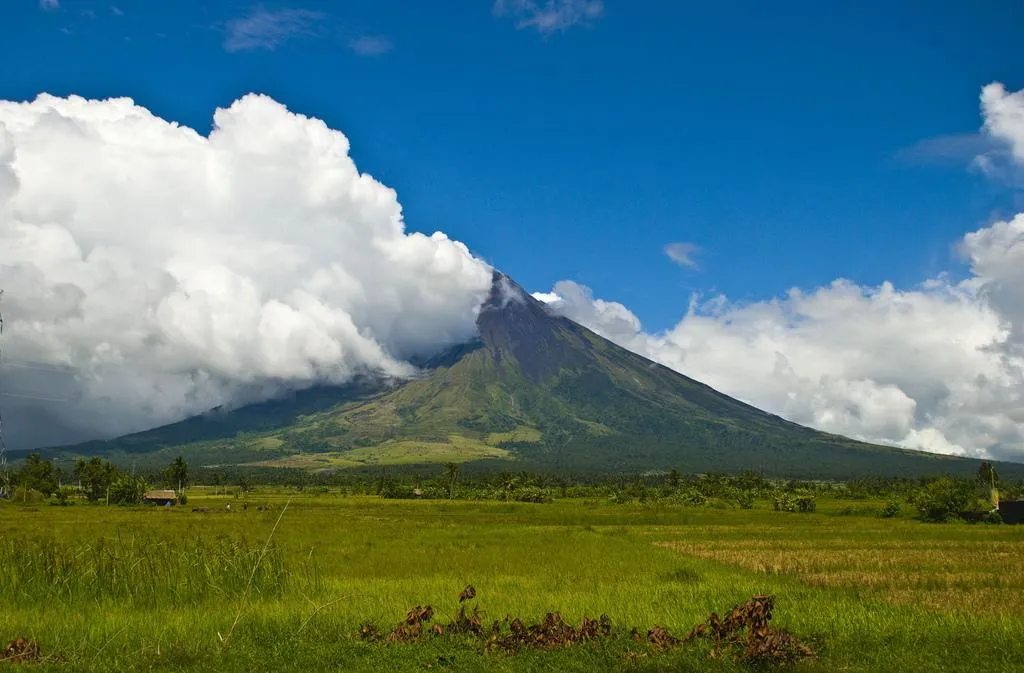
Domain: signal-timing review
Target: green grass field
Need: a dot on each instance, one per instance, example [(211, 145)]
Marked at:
[(125, 589), (395, 452)]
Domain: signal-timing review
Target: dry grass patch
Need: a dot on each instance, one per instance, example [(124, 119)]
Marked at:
[(953, 576)]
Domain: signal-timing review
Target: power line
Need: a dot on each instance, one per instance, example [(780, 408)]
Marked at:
[(26, 364), (35, 397), (31, 364)]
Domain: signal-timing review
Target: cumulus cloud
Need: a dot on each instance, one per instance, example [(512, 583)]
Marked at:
[(49, 5), (1004, 116), (264, 29), (925, 368), (550, 16), (546, 297), (938, 367), (1003, 159), (683, 254), (152, 272), (371, 45)]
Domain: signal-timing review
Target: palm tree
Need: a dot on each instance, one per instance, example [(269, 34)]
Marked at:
[(451, 474), (177, 472)]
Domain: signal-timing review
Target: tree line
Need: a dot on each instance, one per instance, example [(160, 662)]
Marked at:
[(95, 480), (936, 498)]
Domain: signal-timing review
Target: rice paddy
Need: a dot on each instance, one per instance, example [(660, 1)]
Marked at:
[(145, 588)]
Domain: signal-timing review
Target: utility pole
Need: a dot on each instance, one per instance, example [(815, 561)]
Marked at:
[(993, 491), (5, 474)]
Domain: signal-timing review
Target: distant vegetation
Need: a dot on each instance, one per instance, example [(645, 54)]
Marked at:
[(934, 499)]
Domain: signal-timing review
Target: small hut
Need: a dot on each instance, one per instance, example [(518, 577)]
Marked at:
[(1012, 511), (162, 497)]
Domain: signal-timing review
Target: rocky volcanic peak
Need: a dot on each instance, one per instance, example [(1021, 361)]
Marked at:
[(514, 324)]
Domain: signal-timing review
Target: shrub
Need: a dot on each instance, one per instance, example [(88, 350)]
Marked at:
[(805, 502), (391, 491), (784, 502), (127, 490), (62, 495), (745, 499), (530, 494), (691, 497), (891, 509), (24, 496), (798, 501), (941, 500)]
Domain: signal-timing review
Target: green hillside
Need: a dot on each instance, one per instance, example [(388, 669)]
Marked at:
[(535, 391)]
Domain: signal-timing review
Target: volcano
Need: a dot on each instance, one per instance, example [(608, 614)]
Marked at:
[(534, 391)]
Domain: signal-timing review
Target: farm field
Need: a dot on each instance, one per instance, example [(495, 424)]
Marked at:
[(143, 588)]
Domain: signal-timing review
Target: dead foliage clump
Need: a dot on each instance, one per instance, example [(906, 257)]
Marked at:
[(551, 633), (369, 632), (745, 634), (412, 628), (659, 638), (21, 651), (471, 623)]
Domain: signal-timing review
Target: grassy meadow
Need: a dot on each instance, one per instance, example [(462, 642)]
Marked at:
[(145, 588)]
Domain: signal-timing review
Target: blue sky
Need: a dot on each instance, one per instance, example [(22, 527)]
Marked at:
[(792, 143)]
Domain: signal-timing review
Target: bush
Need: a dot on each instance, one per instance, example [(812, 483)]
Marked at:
[(392, 491), (25, 496), (806, 503), (941, 500), (183, 499), (692, 498), (62, 495), (530, 494), (127, 490), (784, 502), (799, 501), (891, 509), (745, 499)]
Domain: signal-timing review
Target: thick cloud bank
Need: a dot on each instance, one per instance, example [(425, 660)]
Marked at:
[(151, 272), (938, 367)]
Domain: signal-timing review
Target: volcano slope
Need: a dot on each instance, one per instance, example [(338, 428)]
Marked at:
[(535, 391)]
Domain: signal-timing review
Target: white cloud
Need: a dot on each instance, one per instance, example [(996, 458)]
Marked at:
[(1002, 160), (263, 29), (955, 149), (550, 16), (925, 368), (938, 367), (49, 5), (683, 254), (371, 45), (172, 272), (1004, 116)]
